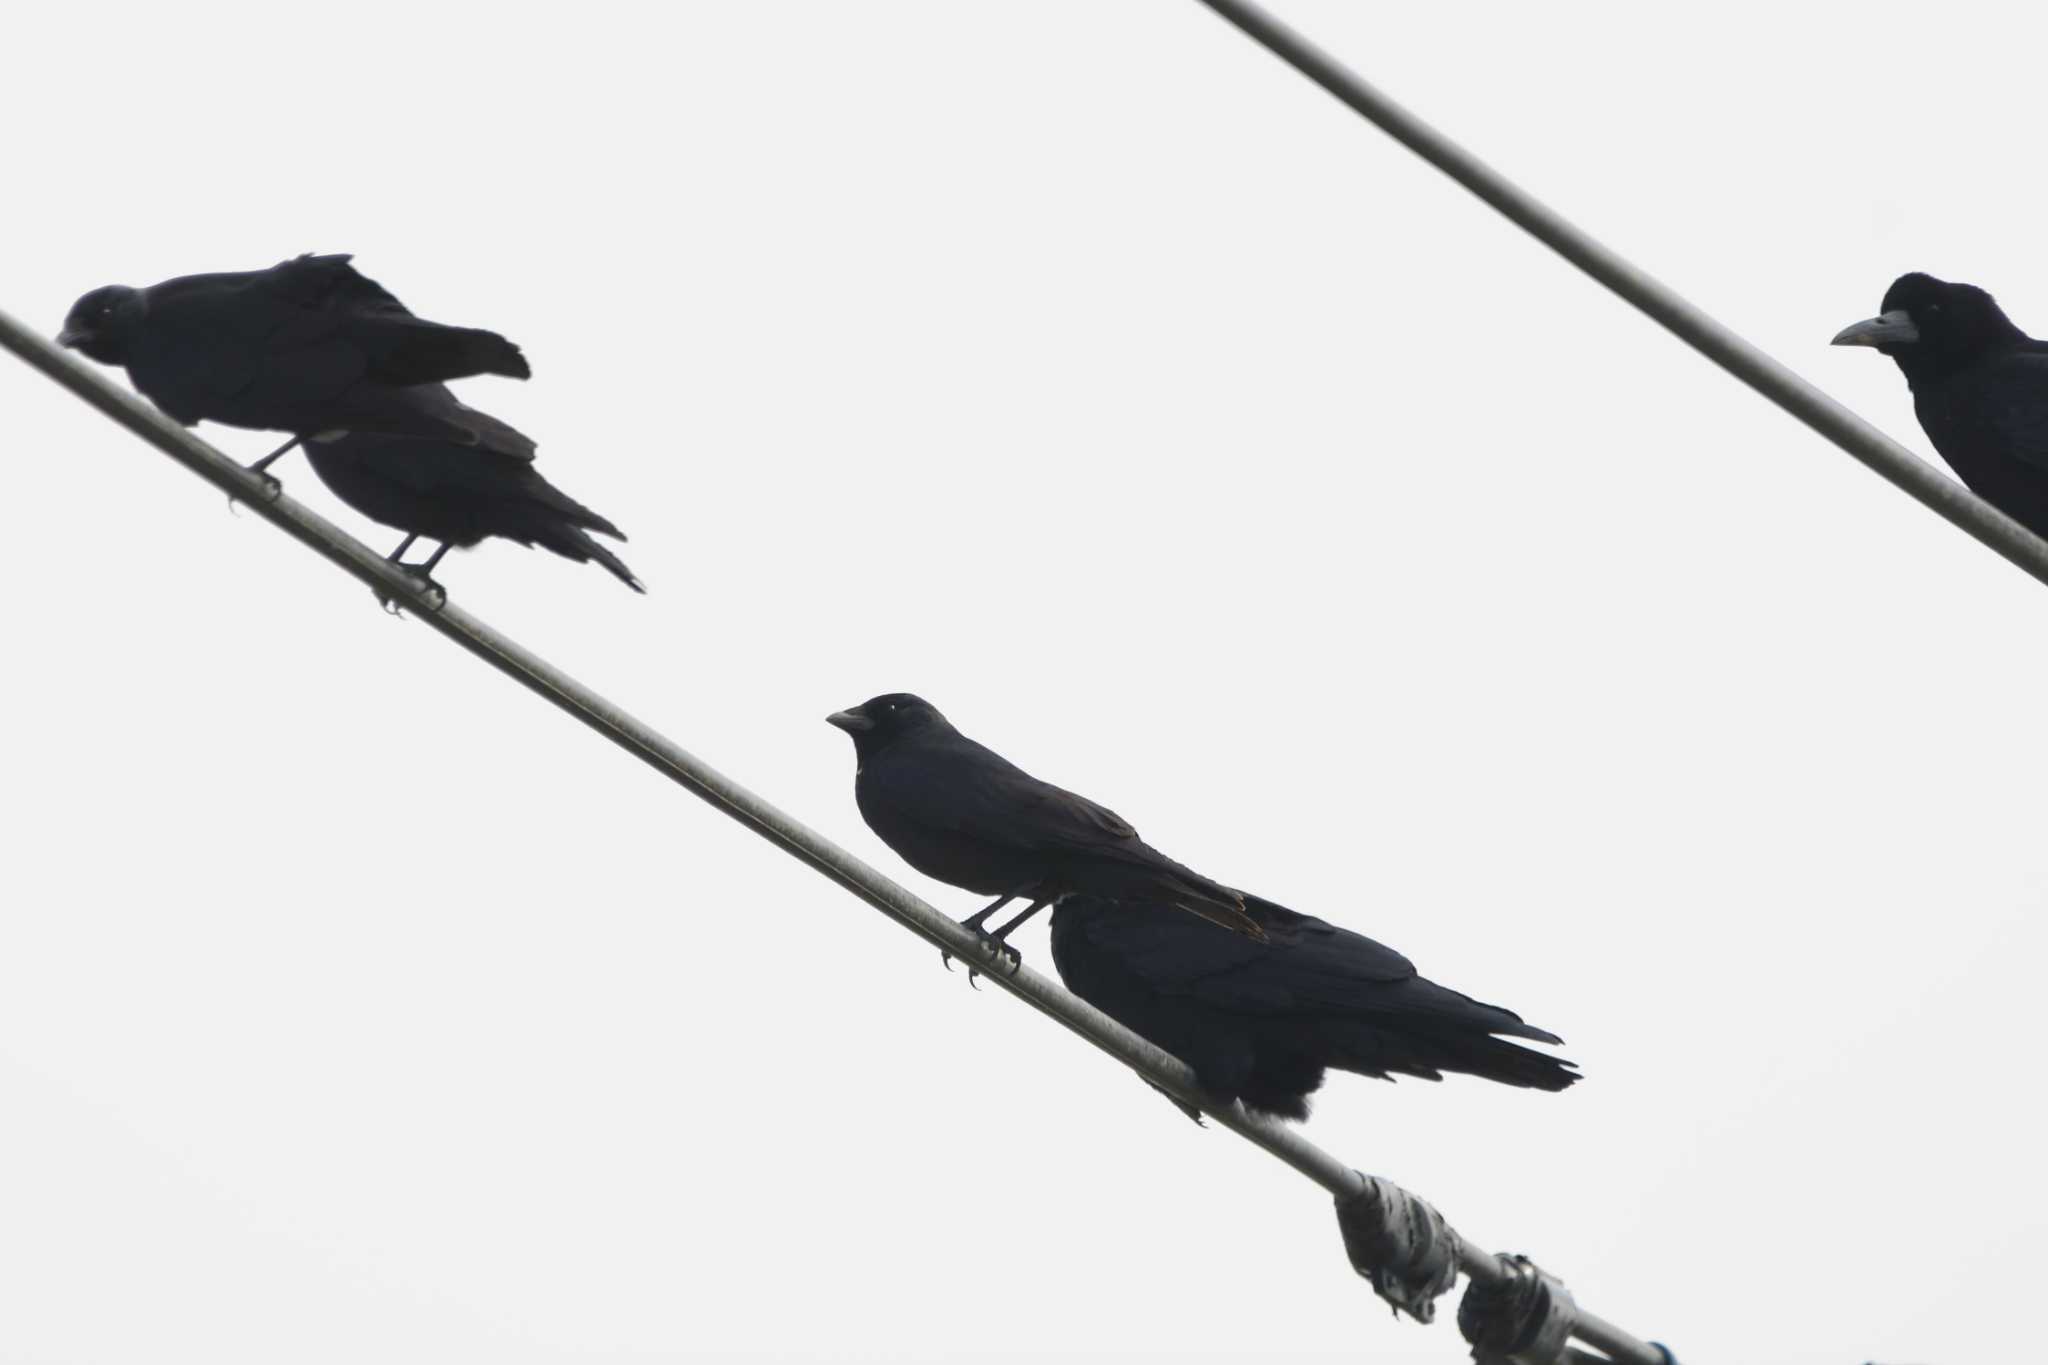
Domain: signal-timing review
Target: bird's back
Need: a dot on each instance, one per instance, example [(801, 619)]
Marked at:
[(1261, 1022)]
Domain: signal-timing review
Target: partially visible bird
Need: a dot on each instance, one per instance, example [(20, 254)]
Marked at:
[(961, 813), (1980, 387), (459, 494), (308, 346), (1263, 1022)]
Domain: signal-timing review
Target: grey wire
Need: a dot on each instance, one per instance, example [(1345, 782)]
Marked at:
[(1684, 320), (648, 745)]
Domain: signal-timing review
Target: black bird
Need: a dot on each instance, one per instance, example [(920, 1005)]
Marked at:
[(963, 814), (308, 346), (460, 494), (1980, 387), (1262, 1023)]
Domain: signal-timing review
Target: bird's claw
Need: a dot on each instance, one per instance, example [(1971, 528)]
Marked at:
[(272, 489), (436, 595), (1001, 951)]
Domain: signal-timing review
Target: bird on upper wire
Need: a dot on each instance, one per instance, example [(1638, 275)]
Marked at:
[(1979, 383), (960, 813), (309, 346)]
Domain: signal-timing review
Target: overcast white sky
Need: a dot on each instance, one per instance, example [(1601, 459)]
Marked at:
[(1074, 364)]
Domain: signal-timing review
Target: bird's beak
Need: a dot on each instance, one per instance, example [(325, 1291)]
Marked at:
[(853, 722), (1887, 329), (71, 336)]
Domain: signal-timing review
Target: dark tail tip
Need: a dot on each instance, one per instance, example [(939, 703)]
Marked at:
[(510, 361)]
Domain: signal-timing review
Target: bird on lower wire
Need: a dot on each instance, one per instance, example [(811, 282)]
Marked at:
[(460, 494), (309, 346), (1263, 1022), (1980, 387), (962, 814)]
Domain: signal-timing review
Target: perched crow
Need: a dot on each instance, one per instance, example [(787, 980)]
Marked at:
[(961, 813), (308, 346), (1980, 388), (459, 494), (1261, 1023)]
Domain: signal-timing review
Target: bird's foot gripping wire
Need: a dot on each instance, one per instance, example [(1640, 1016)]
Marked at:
[(1009, 958), (974, 922), (994, 940), (271, 487), (437, 596)]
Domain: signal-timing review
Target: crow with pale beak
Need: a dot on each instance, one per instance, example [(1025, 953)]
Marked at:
[(962, 814), (309, 347), (1980, 387)]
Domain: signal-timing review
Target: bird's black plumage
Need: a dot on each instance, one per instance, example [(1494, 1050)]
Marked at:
[(1980, 387), (959, 812), (307, 346), (1263, 1022), (459, 494)]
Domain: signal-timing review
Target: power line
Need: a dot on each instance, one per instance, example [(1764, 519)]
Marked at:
[(1679, 316), (1358, 1197)]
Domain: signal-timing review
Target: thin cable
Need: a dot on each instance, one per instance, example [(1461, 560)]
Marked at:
[(665, 756), (1684, 320)]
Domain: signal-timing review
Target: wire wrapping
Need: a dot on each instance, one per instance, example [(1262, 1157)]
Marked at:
[(1525, 1319), (1399, 1243)]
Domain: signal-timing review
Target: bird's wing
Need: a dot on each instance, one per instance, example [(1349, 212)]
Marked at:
[(990, 799), (1999, 405), (311, 281), (218, 334), (1308, 965)]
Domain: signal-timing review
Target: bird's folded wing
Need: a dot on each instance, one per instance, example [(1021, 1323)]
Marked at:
[(311, 281), (1024, 812), (2011, 404), (1309, 965)]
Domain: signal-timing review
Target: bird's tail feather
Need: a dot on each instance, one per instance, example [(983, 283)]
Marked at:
[(575, 512), (411, 350), (1429, 1048), (571, 543)]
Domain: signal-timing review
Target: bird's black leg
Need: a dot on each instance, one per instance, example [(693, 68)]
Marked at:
[(274, 456), (975, 921), (423, 572), (1017, 919), (1002, 949), (270, 482)]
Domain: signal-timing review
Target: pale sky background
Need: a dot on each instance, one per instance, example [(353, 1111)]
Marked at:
[(1077, 365)]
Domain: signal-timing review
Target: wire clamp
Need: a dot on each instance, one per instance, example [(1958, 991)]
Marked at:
[(1525, 1319)]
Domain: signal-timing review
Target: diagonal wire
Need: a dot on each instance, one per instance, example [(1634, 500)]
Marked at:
[(1681, 317), (668, 758)]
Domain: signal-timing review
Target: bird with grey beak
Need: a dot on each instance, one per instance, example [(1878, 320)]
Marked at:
[(1979, 384)]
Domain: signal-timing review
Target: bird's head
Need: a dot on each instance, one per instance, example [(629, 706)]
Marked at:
[(880, 721), (1932, 327), (103, 322)]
